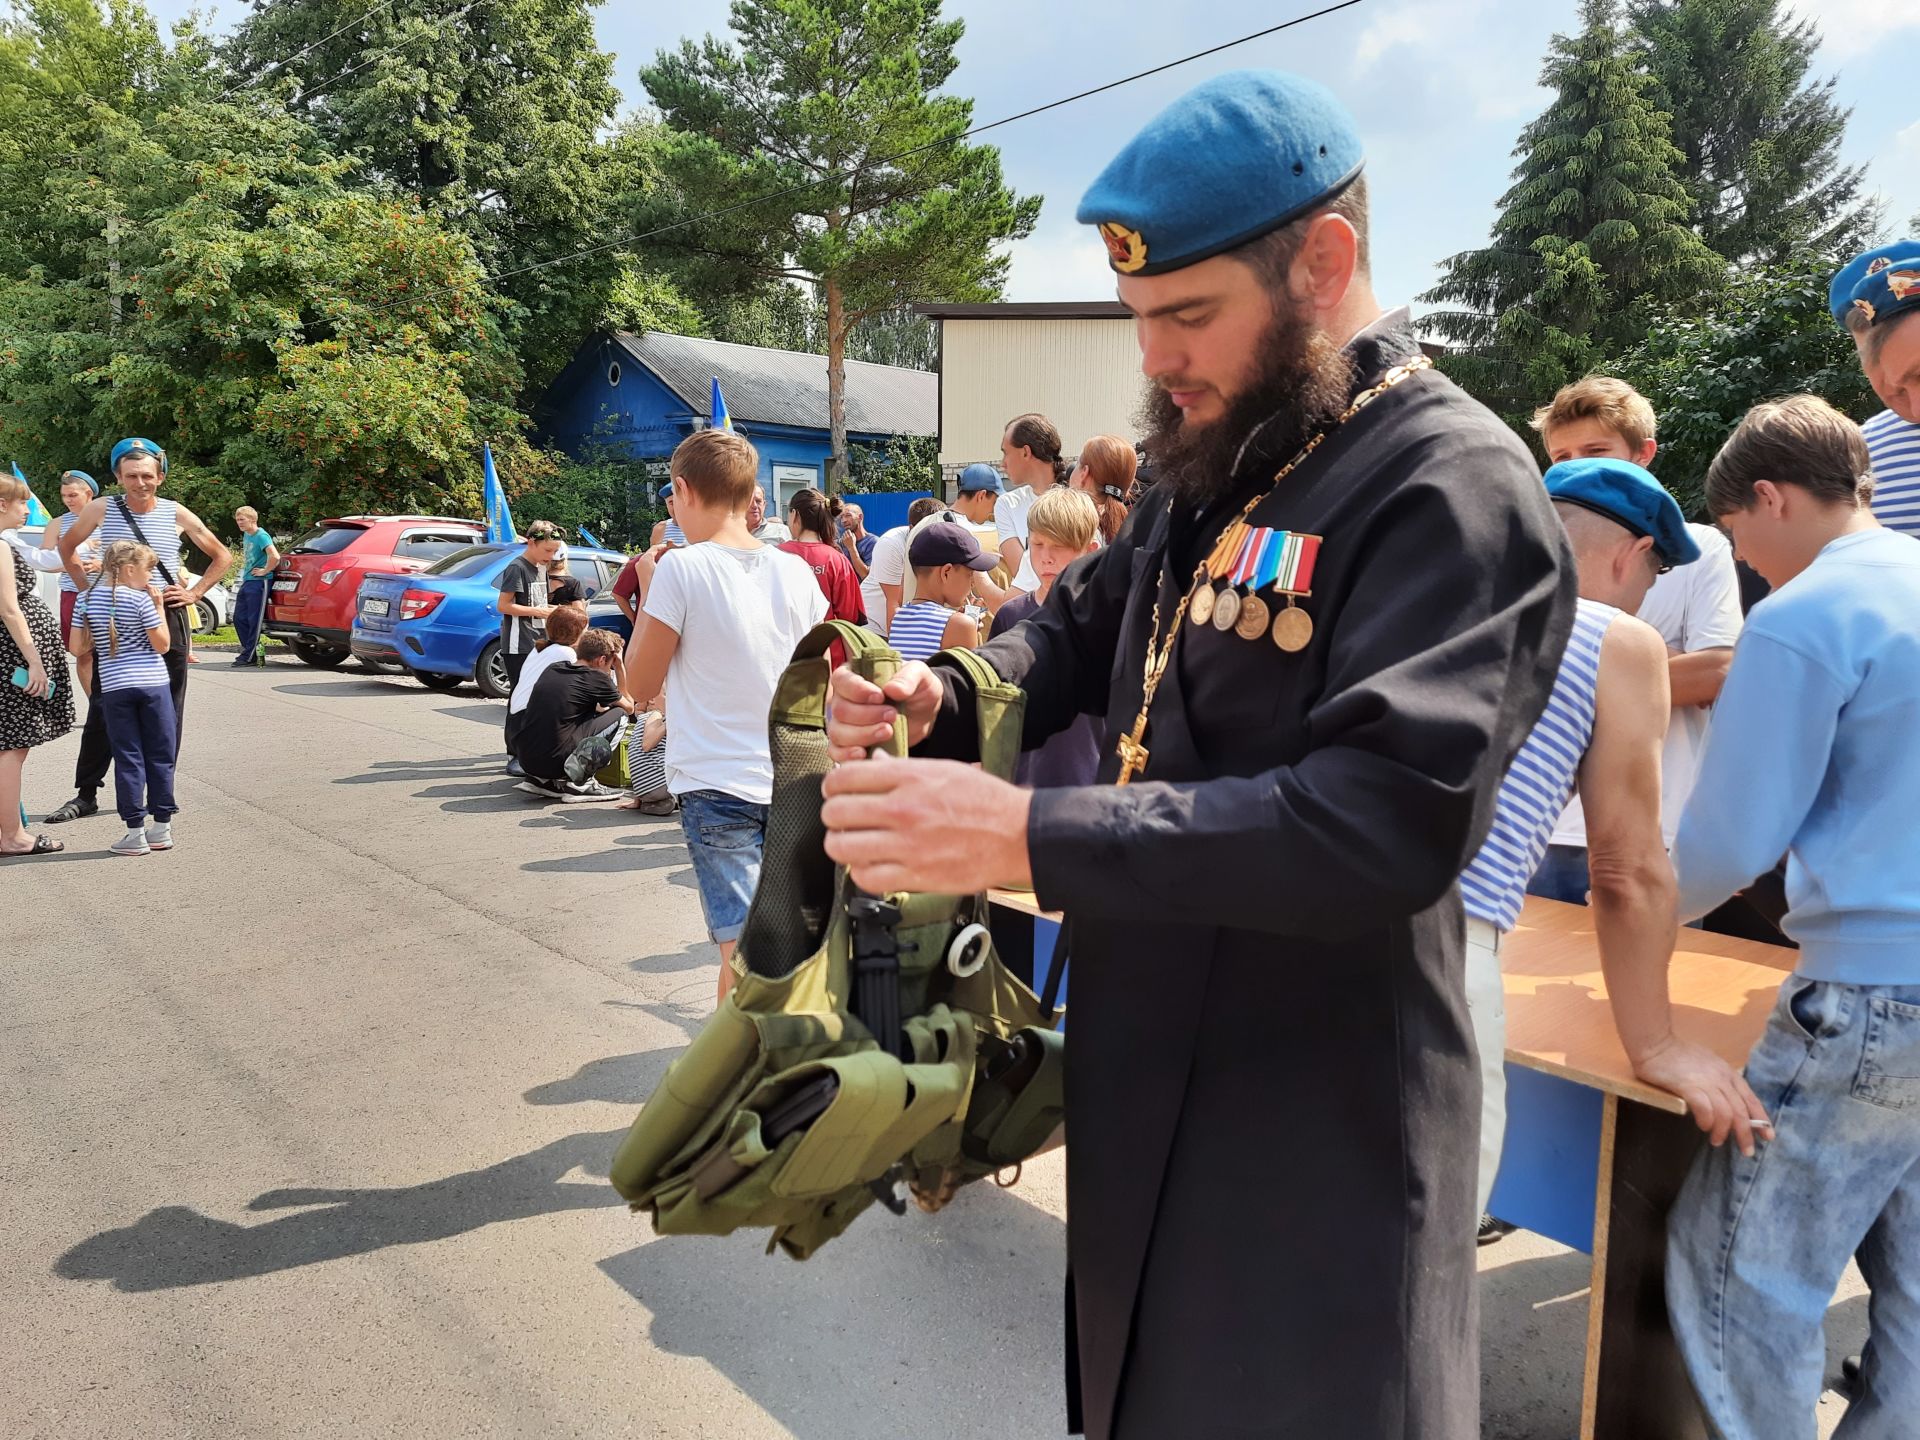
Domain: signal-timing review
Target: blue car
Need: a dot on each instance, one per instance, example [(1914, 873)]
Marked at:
[(442, 626)]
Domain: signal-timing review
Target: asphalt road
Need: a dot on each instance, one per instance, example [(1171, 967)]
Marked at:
[(304, 1129)]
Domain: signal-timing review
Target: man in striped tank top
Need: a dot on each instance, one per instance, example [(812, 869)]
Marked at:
[(1601, 735), (1890, 356), (140, 515)]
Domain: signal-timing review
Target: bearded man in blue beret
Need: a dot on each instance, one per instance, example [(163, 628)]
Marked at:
[(1317, 648)]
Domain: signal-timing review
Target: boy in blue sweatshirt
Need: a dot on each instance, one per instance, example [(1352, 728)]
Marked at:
[(1812, 753)]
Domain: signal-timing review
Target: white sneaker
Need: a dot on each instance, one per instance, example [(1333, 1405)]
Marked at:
[(134, 842), (160, 836)]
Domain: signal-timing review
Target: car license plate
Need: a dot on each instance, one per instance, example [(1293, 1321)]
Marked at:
[(373, 607), (286, 584)]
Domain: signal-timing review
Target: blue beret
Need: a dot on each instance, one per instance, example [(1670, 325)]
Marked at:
[(980, 476), (666, 489), (1891, 287), (1630, 496), (1233, 158), (1847, 280), (134, 445), (83, 477)]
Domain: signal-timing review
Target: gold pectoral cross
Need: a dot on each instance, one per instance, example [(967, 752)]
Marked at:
[(1133, 754)]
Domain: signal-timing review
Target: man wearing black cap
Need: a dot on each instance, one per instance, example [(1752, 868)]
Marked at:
[(1317, 648)]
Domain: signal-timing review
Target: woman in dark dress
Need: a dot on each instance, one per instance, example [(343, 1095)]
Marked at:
[(36, 689)]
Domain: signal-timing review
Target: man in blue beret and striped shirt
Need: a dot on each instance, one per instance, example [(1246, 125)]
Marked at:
[(1890, 356), (1316, 649)]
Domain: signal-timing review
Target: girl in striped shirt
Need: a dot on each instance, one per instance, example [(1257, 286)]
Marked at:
[(117, 622)]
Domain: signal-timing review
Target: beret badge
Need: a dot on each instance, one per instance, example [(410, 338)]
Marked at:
[(1125, 247)]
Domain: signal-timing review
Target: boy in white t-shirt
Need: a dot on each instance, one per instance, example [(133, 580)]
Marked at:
[(721, 621)]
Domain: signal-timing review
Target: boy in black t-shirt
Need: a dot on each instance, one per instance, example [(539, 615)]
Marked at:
[(572, 704), (524, 604)]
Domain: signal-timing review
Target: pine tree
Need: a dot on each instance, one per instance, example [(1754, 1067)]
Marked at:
[(1592, 233), (833, 108), (1761, 142)]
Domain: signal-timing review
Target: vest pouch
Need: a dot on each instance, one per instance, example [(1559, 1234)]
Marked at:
[(694, 1088), (1019, 1102)]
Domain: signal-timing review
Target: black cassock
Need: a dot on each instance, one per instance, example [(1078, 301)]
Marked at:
[(1272, 1100)]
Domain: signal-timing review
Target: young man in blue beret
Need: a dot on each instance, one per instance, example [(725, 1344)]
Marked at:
[(1600, 737), (1890, 356), (138, 513), (1317, 646), (1812, 754)]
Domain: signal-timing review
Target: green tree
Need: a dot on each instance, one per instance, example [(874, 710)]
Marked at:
[(489, 113), (206, 275), (1760, 141), (1592, 234), (835, 103), (1767, 336)]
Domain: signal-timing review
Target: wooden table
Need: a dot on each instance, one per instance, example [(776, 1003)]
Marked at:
[(1581, 1165), (1591, 1171)]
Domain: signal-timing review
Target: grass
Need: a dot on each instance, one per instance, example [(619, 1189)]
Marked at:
[(225, 635)]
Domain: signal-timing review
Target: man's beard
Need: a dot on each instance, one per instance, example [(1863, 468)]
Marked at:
[(1301, 382)]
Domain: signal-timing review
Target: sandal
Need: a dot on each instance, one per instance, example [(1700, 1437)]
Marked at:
[(42, 845)]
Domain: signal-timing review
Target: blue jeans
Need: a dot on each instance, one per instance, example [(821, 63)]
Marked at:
[(249, 614), (140, 731), (725, 835), (1756, 1247)]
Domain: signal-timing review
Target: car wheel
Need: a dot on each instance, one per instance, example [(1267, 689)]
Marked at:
[(206, 619), (435, 680), (319, 654), (490, 672)]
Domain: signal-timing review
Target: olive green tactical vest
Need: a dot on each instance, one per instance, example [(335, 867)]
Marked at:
[(871, 1039)]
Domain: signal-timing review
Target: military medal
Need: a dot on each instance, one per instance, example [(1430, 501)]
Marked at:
[(1292, 628), (1290, 558)]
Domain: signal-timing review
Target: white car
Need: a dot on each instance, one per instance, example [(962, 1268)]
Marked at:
[(214, 609)]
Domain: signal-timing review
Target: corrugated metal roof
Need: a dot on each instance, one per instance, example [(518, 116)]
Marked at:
[(787, 387)]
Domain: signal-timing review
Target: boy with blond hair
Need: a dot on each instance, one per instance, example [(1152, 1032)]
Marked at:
[(1696, 609), (722, 617), (1062, 525)]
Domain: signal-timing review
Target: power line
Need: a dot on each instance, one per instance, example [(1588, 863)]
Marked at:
[(305, 50), (307, 92), (634, 239)]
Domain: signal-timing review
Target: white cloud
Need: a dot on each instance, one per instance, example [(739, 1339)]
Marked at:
[(1850, 28), (1060, 261)]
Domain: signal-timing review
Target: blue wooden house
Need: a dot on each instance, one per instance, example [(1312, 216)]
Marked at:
[(646, 393)]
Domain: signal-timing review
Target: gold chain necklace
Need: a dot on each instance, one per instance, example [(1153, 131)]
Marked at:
[(1132, 747)]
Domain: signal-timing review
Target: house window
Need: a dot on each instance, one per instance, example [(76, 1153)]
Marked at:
[(790, 480), (613, 373)]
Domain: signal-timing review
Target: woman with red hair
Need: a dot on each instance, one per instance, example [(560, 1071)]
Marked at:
[(1105, 472)]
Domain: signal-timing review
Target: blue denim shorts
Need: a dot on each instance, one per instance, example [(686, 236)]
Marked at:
[(724, 835)]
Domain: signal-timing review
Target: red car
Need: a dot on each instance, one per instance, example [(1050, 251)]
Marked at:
[(312, 599)]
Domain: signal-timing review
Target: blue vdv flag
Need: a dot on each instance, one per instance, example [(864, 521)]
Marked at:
[(499, 517), (588, 536), (720, 420), (36, 512)]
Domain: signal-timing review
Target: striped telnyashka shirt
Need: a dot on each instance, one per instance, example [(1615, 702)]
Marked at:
[(161, 529), (919, 628), (123, 655), (1537, 788), (1893, 449)]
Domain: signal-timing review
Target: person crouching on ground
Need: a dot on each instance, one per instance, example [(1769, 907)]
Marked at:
[(572, 704), (946, 559), (565, 626), (723, 617), (117, 621)]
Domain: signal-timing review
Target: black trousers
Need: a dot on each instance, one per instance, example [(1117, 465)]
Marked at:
[(90, 770)]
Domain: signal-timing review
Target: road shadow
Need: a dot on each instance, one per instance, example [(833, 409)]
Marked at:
[(616, 1079), (1533, 1340), (622, 859), (965, 1305), (611, 817), (486, 712), (350, 685), (693, 955), (175, 1246), (423, 771)]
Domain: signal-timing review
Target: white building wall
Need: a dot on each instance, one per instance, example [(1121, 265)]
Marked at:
[(1084, 375)]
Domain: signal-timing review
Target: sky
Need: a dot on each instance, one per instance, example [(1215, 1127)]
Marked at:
[(1440, 90)]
